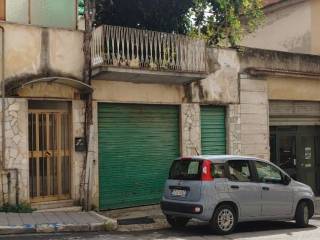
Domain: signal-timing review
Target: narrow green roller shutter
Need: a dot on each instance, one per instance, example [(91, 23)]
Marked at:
[(213, 130), (137, 144)]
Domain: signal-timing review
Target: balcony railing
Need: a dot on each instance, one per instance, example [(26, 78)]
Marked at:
[(134, 48)]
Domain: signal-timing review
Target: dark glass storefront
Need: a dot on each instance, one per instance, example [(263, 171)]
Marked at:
[(296, 149)]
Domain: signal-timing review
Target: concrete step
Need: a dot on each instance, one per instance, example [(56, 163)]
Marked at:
[(64, 209), (52, 204)]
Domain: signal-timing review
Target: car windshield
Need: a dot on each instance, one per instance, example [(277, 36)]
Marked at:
[(186, 170)]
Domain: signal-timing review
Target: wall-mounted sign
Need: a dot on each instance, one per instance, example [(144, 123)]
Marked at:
[(80, 144), (307, 153)]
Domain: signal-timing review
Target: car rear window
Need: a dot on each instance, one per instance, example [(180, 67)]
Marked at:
[(186, 170)]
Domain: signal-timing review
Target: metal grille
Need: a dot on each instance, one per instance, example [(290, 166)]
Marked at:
[(49, 155)]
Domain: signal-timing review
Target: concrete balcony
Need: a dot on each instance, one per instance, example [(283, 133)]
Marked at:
[(127, 54)]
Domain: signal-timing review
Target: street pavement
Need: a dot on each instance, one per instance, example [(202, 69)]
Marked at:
[(245, 231)]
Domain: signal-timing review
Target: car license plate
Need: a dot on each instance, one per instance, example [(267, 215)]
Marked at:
[(178, 193)]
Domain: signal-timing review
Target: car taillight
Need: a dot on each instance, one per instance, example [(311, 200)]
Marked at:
[(206, 171)]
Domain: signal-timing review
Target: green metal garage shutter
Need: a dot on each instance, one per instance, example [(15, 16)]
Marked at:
[(213, 130), (137, 144)]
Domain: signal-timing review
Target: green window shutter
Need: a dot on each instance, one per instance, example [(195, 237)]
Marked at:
[(213, 130), (137, 144)]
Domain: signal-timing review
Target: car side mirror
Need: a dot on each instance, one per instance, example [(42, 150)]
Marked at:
[(286, 180)]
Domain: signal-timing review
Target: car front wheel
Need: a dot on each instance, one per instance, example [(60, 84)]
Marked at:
[(302, 215), (224, 220), (177, 222)]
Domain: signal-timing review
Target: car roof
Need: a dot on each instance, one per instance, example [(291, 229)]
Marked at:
[(222, 158)]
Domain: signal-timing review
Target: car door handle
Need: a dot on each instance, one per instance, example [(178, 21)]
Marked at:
[(265, 188), (234, 187)]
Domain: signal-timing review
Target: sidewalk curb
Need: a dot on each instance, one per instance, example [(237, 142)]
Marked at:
[(106, 224), (109, 223)]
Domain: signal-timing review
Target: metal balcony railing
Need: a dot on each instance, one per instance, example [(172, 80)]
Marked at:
[(134, 48)]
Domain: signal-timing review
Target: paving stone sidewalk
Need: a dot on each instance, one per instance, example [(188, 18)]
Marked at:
[(51, 222)]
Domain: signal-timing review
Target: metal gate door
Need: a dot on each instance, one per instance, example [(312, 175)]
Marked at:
[(49, 155)]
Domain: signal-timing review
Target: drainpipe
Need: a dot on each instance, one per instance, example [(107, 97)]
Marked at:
[(3, 127)]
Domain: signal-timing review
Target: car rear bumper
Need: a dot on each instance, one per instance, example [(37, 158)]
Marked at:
[(181, 207)]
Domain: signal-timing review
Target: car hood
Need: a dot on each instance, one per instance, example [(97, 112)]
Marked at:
[(301, 186)]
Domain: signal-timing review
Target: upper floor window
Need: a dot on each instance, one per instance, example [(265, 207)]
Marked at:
[(47, 13)]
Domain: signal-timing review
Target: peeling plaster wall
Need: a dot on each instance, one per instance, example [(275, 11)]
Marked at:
[(17, 152), (221, 86)]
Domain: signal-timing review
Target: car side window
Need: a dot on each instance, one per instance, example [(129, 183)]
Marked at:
[(217, 170), (268, 173), (239, 170)]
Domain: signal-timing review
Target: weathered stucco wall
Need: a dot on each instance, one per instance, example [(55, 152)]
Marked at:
[(139, 93), (299, 89), (254, 112), (288, 63), (47, 90), (221, 86), (66, 52), (32, 52), (315, 29), (234, 129), (17, 151), (286, 29), (94, 159), (78, 121)]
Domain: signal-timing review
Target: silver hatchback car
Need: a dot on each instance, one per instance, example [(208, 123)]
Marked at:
[(225, 190)]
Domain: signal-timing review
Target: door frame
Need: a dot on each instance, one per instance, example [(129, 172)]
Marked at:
[(60, 195), (298, 132)]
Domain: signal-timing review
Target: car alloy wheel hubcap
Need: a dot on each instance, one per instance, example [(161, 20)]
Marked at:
[(225, 220), (306, 214)]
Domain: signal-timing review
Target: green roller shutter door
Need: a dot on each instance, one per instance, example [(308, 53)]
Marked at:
[(213, 130), (137, 144)]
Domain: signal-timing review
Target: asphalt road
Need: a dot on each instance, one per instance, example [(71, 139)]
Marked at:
[(245, 231)]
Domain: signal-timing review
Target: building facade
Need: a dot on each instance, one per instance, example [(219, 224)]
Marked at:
[(155, 97), (291, 27)]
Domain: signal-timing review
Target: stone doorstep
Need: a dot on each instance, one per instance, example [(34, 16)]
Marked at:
[(106, 224)]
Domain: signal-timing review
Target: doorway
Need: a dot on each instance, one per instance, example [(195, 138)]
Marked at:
[(49, 151), (295, 149)]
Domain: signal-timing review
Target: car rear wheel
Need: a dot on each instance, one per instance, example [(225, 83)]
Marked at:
[(302, 215), (224, 220), (177, 222)]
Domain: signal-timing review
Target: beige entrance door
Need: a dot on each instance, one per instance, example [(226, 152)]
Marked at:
[(49, 155)]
